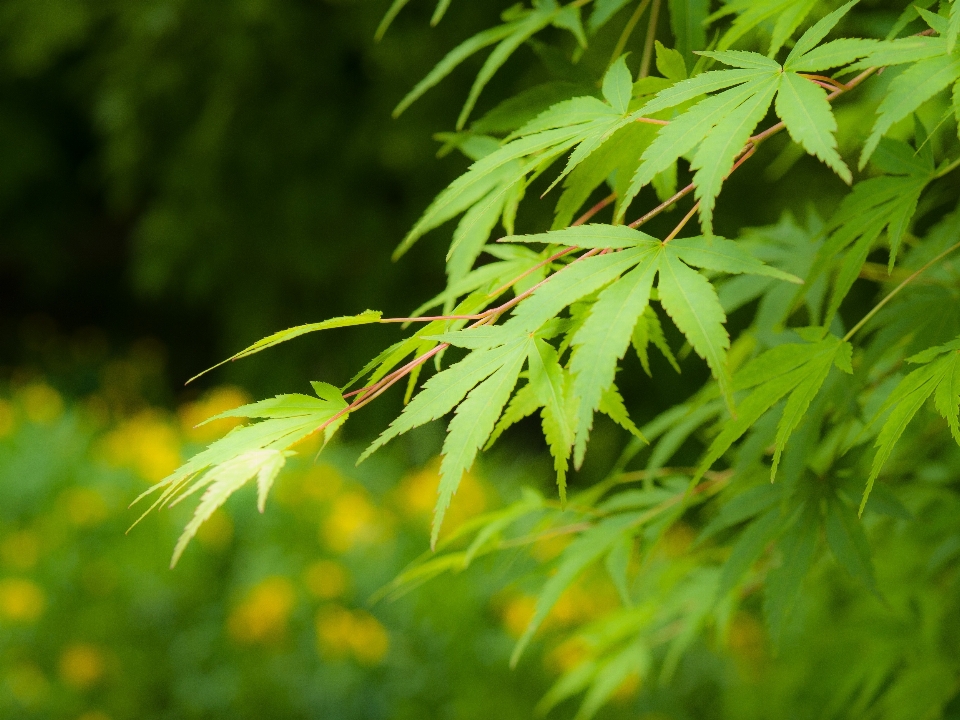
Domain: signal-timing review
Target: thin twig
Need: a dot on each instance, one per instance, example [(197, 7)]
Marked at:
[(682, 223), (595, 209), (514, 281), (896, 291), (628, 31), (663, 206), (651, 36)]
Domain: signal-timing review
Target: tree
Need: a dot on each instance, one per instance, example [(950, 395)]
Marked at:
[(826, 425)]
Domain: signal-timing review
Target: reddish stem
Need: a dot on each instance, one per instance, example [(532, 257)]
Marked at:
[(594, 210)]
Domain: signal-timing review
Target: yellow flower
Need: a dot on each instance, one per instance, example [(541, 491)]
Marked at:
[(21, 600), (369, 640), (517, 614), (20, 550), (217, 532), (334, 625), (147, 443), (341, 632), (27, 684), (82, 666), (8, 419), (566, 656), (417, 496), (84, 507), (41, 403), (212, 403), (351, 520), (583, 601), (326, 579), (264, 613)]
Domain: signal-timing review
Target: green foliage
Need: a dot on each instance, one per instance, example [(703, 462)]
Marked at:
[(807, 375)]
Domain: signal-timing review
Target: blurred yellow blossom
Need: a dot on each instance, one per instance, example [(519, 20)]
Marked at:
[(585, 600), (263, 614), (212, 403), (21, 600), (84, 507), (351, 520), (517, 613), (94, 715), (41, 403), (27, 683), (369, 640), (341, 632), (147, 443), (566, 656), (217, 532), (325, 579), (82, 666), (8, 418), (550, 546), (417, 496), (20, 550)]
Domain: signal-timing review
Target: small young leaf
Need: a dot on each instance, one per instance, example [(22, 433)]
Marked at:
[(670, 63), (618, 85)]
